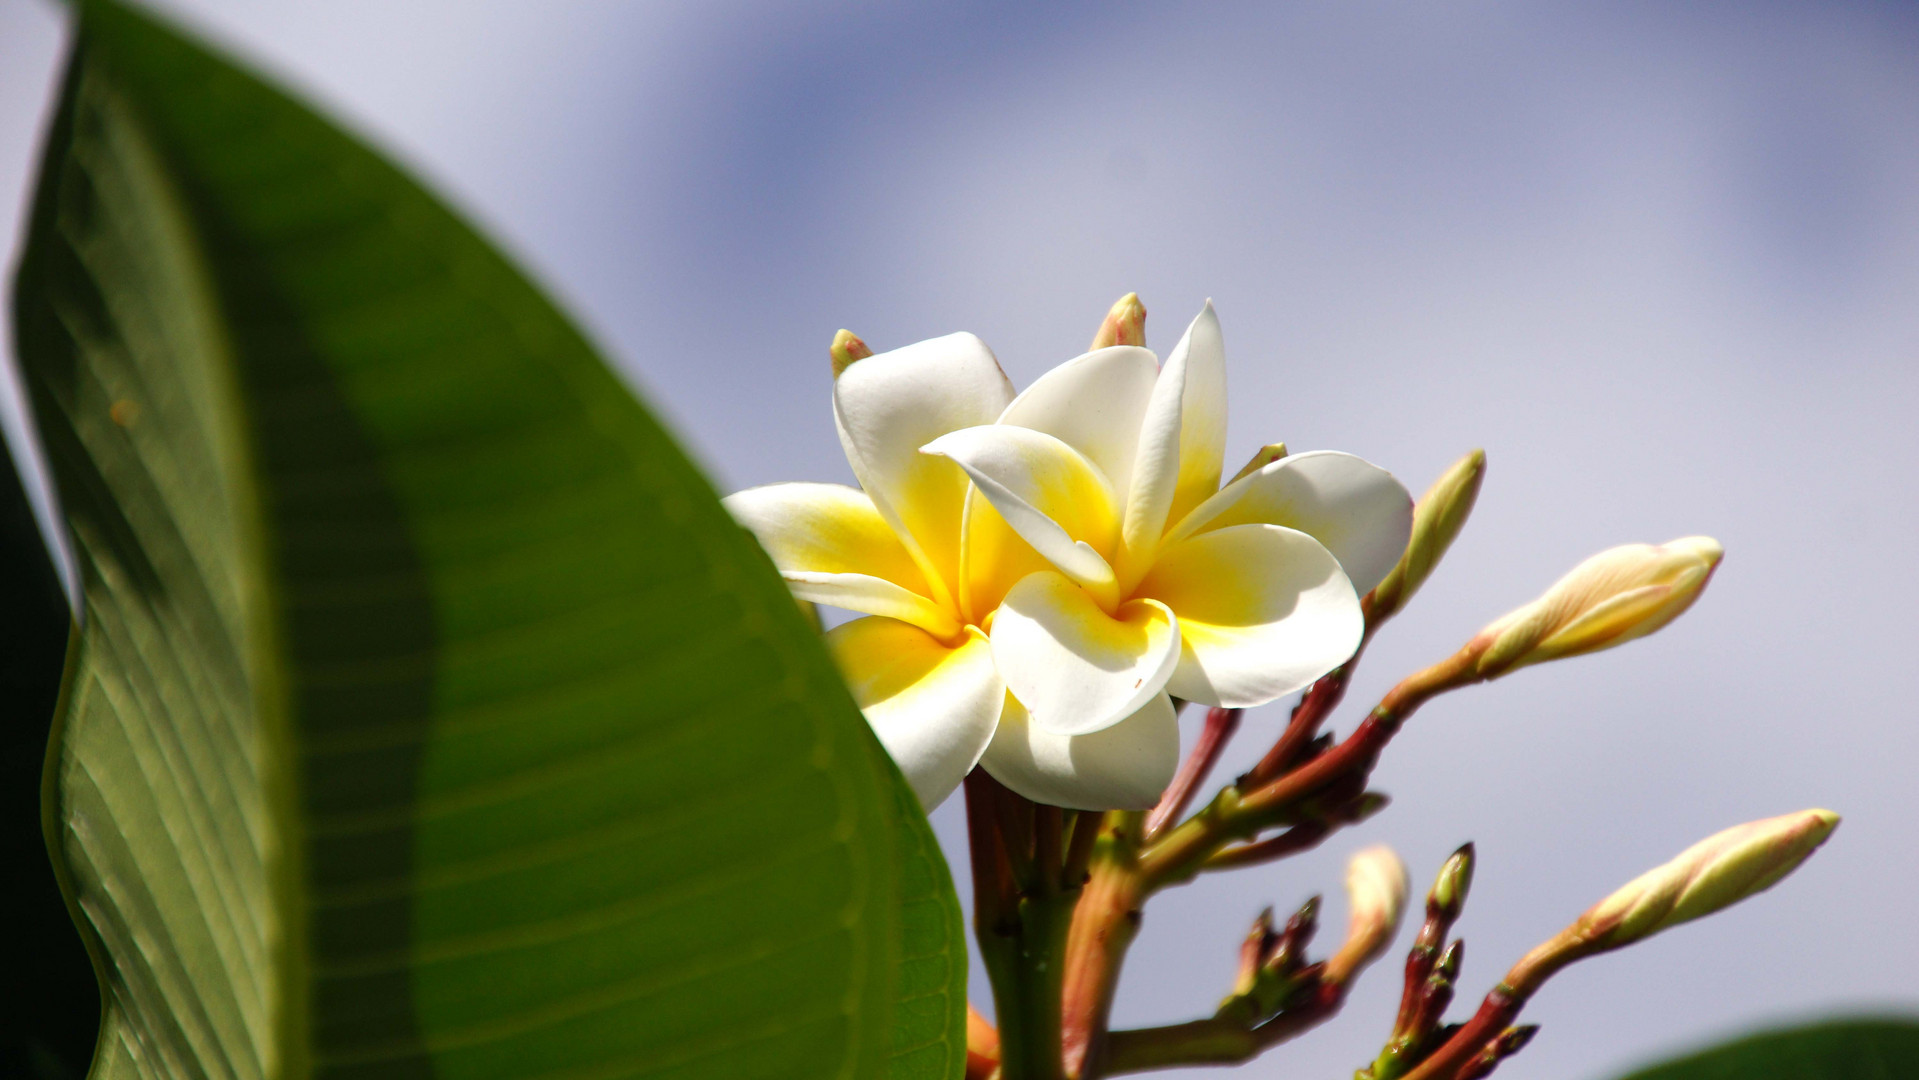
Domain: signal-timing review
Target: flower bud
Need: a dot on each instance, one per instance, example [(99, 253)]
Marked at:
[(1510, 1041), (1448, 895), (1265, 456), (1613, 597), (1437, 518), (1258, 948), (1715, 873), (1376, 892), (1125, 324), (847, 348)]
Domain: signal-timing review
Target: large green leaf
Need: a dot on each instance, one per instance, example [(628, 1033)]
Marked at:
[(1834, 1050), (430, 717)]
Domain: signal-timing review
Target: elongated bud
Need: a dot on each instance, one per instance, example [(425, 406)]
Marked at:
[(1437, 518), (1715, 873), (846, 349), (1265, 456), (1254, 952), (1615, 596), (1376, 892), (1510, 1041), (1448, 895), (1288, 954), (1125, 324)]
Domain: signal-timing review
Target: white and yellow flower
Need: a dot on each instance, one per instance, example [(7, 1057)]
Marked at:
[(1042, 573)]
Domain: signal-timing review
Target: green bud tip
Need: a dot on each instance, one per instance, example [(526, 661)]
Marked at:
[(847, 349), (1265, 456), (1455, 878), (1438, 516), (1125, 324)]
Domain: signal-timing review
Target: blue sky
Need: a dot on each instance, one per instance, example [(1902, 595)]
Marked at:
[(1660, 261)]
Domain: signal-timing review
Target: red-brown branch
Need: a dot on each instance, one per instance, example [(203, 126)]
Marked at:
[(1220, 725), (1215, 1040), (1319, 701), (1493, 1017)]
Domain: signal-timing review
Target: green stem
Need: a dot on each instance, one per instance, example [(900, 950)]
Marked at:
[(1022, 910)]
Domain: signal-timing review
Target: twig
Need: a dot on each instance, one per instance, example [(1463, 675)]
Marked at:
[(1318, 702), (1214, 1041), (1086, 826), (1220, 725), (1232, 815), (1486, 1026)]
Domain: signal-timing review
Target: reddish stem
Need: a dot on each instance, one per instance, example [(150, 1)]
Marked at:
[(1215, 1041), (1220, 726), (1319, 701), (1495, 1014), (1291, 842)]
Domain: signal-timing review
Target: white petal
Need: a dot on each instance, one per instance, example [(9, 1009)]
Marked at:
[(934, 708), (1094, 404), (1074, 667), (1202, 423), (1182, 440), (887, 407), (1051, 495), (873, 596), (993, 560), (1123, 767), (1263, 611), (1359, 511), (833, 547)]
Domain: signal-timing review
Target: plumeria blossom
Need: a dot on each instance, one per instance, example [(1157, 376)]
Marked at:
[(1042, 574)]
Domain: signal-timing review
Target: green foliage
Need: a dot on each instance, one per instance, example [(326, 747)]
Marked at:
[(430, 717), (1834, 1050)]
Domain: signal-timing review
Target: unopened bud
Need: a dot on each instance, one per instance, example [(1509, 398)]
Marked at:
[(1368, 804), (1125, 324), (1448, 895), (847, 348), (1376, 892), (1715, 873), (1254, 952), (1266, 455), (1610, 599), (1509, 1042), (1437, 518)]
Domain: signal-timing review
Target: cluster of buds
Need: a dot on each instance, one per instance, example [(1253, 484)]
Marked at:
[(1432, 967), (1711, 875), (1274, 973)]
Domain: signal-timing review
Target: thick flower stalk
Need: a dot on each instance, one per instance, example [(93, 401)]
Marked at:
[(1042, 574)]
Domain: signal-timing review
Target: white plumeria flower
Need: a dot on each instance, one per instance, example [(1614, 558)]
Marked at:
[(1034, 609)]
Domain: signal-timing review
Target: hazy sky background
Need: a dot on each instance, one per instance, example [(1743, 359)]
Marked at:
[(1661, 261)]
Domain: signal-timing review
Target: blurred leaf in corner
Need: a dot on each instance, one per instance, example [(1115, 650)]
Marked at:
[(431, 717), (1848, 1049)]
